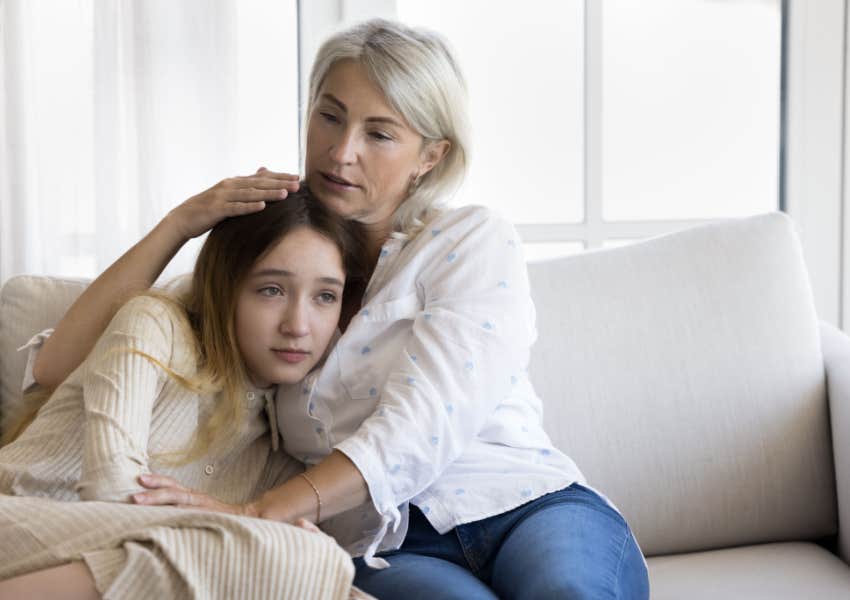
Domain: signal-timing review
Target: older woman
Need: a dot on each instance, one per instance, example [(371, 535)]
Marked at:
[(422, 434)]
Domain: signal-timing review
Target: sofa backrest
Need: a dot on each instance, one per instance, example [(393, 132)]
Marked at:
[(684, 376), (28, 304)]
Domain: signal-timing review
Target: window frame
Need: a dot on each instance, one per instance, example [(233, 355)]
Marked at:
[(812, 161)]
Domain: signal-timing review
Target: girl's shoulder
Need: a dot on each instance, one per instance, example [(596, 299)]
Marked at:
[(154, 322)]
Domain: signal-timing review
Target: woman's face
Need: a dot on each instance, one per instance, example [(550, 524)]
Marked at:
[(288, 307), (361, 153)]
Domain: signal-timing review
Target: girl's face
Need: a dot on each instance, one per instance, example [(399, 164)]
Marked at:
[(288, 307)]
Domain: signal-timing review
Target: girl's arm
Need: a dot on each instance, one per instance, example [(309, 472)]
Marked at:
[(79, 329), (120, 384)]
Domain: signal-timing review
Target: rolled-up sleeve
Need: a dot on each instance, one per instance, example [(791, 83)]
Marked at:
[(120, 387), (464, 352), (32, 348)]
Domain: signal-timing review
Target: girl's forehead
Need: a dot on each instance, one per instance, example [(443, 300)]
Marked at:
[(302, 249)]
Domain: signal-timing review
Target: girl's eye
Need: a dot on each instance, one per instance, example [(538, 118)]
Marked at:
[(329, 117), (271, 291), (327, 298), (382, 137)]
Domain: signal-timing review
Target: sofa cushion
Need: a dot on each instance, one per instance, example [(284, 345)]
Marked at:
[(787, 571), (684, 376), (28, 305)]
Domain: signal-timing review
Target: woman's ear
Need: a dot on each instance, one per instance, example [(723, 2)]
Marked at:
[(432, 154)]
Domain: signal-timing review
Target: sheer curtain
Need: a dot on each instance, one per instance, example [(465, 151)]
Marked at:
[(114, 111)]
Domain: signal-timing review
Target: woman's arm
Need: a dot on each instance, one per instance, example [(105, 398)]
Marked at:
[(338, 483), (79, 329)]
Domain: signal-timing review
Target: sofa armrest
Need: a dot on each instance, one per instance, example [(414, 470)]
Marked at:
[(836, 357)]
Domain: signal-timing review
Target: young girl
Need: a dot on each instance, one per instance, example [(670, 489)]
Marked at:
[(185, 386)]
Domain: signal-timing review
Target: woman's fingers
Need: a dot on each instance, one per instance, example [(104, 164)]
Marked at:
[(278, 175), (265, 183), (305, 524)]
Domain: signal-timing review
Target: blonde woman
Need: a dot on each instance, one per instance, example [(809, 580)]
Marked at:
[(185, 386), (422, 433)]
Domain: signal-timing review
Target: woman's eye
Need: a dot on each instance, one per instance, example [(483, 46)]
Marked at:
[(271, 291), (327, 298), (382, 137), (329, 117)]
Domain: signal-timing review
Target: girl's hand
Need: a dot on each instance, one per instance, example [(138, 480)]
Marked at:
[(229, 198), (166, 491)]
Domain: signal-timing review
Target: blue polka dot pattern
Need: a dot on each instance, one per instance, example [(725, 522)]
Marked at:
[(502, 284), (365, 312), (427, 316), (460, 491), (395, 469), (451, 257), (425, 509), (435, 232), (413, 357), (411, 380), (450, 408), (384, 252), (487, 325), (373, 392), (365, 350), (434, 440)]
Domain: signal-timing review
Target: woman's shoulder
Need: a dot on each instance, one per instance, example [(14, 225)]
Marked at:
[(467, 218)]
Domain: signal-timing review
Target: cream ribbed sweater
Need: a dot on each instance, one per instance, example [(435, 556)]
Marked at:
[(106, 425)]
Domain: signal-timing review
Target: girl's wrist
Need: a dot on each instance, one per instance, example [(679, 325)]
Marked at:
[(171, 228)]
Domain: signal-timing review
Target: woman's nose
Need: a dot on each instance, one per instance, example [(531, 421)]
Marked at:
[(344, 148)]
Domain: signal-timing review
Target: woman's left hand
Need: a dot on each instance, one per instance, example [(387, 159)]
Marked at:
[(166, 491)]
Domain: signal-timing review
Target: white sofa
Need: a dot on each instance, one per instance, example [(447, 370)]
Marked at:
[(690, 379)]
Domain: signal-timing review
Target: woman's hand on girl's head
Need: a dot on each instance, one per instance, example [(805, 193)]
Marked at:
[(166, 491), (230, 197)]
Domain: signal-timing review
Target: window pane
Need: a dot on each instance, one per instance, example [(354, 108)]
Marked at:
[(691, 94), (524, 68)]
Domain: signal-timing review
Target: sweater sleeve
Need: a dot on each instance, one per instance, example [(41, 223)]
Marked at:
[(120, 388), (466, 349)]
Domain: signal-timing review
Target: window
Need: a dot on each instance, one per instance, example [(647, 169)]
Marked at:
[(598, 121)]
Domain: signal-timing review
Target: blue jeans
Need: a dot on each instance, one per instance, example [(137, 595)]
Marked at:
[(567, 544)]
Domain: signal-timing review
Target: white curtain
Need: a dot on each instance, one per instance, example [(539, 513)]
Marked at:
[(114, 111)]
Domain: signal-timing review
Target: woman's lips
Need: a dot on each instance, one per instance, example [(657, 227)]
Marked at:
[(291, 356), (336, 182)]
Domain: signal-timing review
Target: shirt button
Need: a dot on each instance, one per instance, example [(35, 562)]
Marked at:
[(209, 469), (250, 395)]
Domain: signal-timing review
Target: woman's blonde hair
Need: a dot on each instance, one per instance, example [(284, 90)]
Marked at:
[(418, 74)]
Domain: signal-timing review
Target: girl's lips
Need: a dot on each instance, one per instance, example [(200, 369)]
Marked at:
[(291, 356)]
